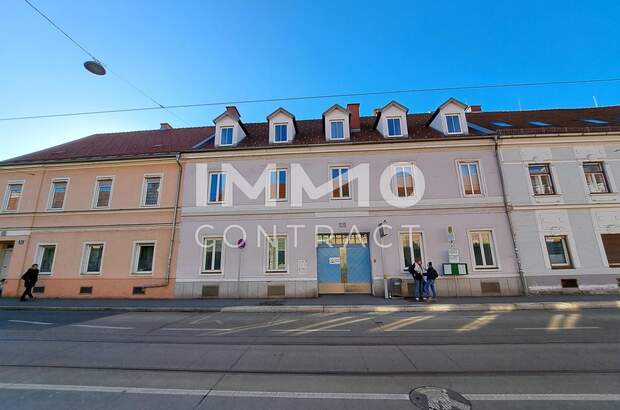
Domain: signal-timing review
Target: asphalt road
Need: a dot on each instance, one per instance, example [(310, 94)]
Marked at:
[(513, 360)]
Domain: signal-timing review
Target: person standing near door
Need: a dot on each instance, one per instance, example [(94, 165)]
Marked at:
[(417, 271), (431, 275), (30, 279)]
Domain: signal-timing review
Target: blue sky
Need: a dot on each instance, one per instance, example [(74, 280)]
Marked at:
[(195, 51)]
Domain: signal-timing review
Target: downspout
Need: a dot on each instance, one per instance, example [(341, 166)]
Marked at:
[(508, 209), (166, 281)]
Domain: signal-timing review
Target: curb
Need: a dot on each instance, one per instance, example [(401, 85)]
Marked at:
[(438, 308)]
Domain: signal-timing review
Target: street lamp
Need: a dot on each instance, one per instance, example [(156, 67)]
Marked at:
[(95, 67)]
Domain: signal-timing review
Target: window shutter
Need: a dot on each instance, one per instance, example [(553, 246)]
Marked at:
[(611, 243)]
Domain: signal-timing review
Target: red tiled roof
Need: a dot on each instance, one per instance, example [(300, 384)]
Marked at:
[(168, 142)]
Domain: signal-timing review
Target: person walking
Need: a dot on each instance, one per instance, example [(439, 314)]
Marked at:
[(30, 279), (431, 275), (417, 271)]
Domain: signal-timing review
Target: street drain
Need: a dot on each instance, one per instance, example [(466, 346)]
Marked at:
[(437, 398)]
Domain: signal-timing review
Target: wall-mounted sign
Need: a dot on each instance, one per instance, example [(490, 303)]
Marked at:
[(334, 260), (455, 269)]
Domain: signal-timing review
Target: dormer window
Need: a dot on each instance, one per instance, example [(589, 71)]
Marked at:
[(337, 130), (226, 136), (280, 133), (394, 127), (453, 124)]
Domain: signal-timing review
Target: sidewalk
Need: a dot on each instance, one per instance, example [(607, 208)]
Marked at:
[(329, 303)]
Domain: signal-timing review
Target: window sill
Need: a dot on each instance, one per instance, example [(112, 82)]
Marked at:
[(562, 267), (212, 272), (90, 273), (276, 272), (142, 273)]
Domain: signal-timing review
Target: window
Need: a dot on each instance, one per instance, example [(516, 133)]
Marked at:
[(277, 185), (340, 183), (394, 127), (337, 130), (595, 121), (539, 124), (212, 261), (611, 244), (276, 253), (12, 196), (280, 133), (226, 136), (483, 249), (152, 186), (92, 258), (57, 197), (144, 255), (557, 251), (217, 187), (45, 258), (454, 124), (595, 177), (501, 124), (470, 176), (411, 244), (540, 176), (103, 191), (404, 180)]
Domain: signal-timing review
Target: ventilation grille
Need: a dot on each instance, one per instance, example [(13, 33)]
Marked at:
[(490, 287), (569, 283), (139, 290), (275, 290), (38, 289), (210, 291), (86, 290)]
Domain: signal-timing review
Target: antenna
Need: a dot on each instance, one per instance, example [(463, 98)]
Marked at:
[(595, 101)]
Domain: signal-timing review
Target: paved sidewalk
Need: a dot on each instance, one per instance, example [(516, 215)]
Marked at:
[(359, 303)]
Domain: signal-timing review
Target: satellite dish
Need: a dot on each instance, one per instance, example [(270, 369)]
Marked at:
[(95, 67)]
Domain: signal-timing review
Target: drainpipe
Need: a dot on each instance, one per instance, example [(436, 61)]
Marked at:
[(509, 217), (166, 281)]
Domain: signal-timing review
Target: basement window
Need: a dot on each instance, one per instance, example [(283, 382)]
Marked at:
[(139, 290), (86, 290)]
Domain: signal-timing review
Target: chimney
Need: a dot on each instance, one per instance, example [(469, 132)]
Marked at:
[(474, 108), (354, 109), (231, 109), (165, 126), (376, 111)]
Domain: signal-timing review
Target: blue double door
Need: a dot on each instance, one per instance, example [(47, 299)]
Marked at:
[(343, 264)]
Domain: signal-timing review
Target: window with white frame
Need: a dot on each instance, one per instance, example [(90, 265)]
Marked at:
[(394, 129), (340, 183), (483, 249), (45, 258), (92, 258), (276, 253), (403, 180), (103, 191), (144, 257), (152, 185), (411, 244), (217, 187), (557, 250), (212, 260), (12, 196), (470, 177), (595, 177), (337, 130), (453, 123), (57, 195), (277, 184), (226, 136), (280, 133), (540, 177)]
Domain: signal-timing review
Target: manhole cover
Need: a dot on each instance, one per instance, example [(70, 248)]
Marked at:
[(437, 398)]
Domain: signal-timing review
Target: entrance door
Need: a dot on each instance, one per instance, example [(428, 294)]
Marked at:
[(343, 263), (5, 260)]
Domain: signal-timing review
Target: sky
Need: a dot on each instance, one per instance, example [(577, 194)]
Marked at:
[(186, 51)]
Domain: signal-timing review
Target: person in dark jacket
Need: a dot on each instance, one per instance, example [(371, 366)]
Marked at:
[(30, 279), (431, 275), (417, 271)]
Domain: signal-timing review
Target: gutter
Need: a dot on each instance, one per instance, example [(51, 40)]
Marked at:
[(508, 210), (166, 280)]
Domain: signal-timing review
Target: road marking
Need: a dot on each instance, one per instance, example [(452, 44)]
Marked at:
[(103, 327), (29, 322), (425, 330), (193, 322), (301, 329), (302, 395), (478, 323), (198, 329), (558, 328)]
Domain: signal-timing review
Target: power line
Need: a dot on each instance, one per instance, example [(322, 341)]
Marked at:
[(129, 83), (317, 97)]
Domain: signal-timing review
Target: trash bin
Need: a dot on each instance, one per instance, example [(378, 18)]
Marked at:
[(396, 287)]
